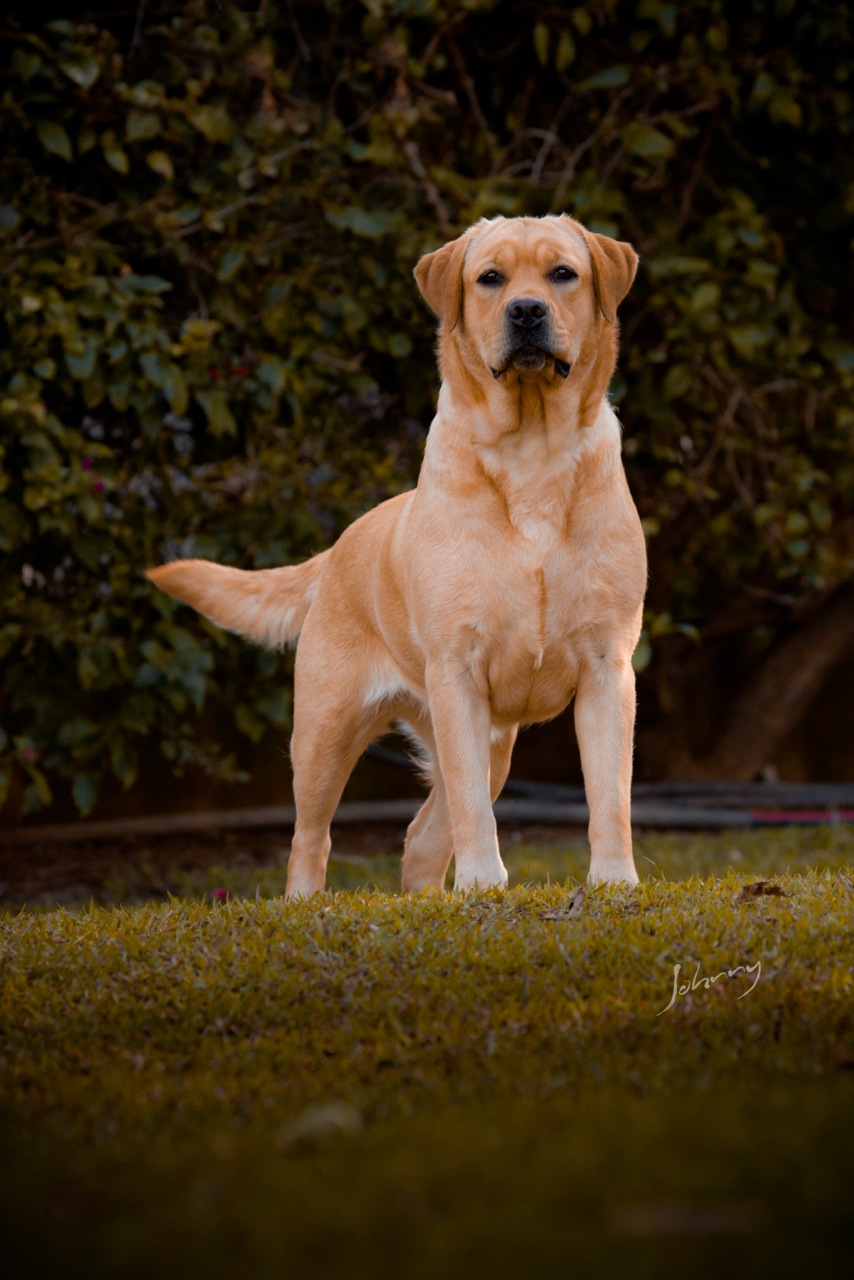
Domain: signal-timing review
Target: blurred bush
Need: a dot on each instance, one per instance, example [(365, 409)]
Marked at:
[(208, 222)]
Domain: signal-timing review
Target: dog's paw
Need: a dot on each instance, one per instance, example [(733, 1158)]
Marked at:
[(300, 890), (472, 882), (613, 873)]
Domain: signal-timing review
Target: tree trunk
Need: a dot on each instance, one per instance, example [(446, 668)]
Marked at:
[(781, 692)]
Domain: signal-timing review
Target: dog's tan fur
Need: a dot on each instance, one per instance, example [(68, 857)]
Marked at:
[(509, 580)]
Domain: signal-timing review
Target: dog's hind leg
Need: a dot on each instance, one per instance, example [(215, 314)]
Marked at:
[(428, 847), (334, 722), (501, 745)]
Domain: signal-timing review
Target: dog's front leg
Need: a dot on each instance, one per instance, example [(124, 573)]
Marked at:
[(462, 725), (604, 723)]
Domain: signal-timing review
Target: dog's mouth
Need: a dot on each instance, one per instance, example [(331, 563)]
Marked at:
[(531, 359)]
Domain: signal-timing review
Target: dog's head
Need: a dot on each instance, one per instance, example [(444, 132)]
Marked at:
[(526, 296)]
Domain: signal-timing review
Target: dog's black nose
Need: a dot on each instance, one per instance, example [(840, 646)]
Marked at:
[(526, 313)]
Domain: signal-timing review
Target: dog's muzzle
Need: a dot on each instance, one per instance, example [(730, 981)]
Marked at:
[(528, 346)]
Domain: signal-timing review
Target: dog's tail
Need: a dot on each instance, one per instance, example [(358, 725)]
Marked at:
[(265, 605)]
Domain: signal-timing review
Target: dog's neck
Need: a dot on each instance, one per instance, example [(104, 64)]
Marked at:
[(533, 471), (523, 433)]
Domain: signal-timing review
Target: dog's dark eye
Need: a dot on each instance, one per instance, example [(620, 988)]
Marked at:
[(561, 275), (491, 278)]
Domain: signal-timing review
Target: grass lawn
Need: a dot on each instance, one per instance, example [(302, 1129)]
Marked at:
[(369, 1084)]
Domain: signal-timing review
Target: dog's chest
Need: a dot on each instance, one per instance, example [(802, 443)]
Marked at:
[(531, 660)]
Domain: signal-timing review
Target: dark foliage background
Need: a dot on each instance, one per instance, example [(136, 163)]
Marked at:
[(214, 346)]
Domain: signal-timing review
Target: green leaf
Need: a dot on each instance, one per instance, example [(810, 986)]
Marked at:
[(249, 722), (138, 712), (678, 265), (704, 297), (14, 530), (648, 143), (717, 38), (37, 795), (274, 704), (231, 262), (168, 378), (399, 345), (141, 125), (784, 109), (613, 78), (84, 71), (840, 352), (177, 392), (364, 222), (565, 51), (143, 284), (160, 162), (272, 372), (642, 655), (664, 15), (8, 218), (54, 139), (218, 413), (123, 760), (77, 732), (118, 393), (25, 63), (198, 334), (41, 794), (677, 381), (115, 157), (749, 338), (541, 42), (821, 515), (213, 122), (82, 364), (763, 88), (796, 522), (85, 793), (147, 93), (155, 369)]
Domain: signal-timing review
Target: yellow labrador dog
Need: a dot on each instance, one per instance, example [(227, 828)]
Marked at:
[(508, 581)]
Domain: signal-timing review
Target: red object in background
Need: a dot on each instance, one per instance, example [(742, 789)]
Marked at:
[(228, 370)]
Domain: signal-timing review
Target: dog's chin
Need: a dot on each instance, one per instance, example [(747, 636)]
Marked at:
[(531, 361)]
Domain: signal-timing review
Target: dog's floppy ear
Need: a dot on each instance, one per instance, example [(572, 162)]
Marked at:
[(439, 276), (614, 265)]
